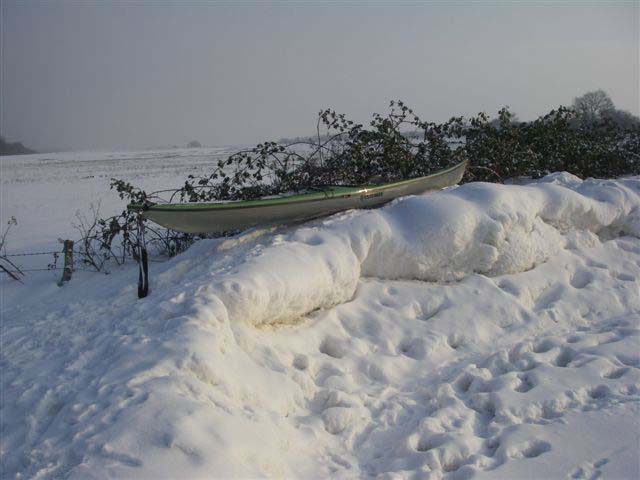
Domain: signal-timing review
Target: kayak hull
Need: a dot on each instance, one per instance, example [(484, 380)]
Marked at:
[(221, 217)]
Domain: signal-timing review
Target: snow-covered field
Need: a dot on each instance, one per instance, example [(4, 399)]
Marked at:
[(45, 191), (486, 331)]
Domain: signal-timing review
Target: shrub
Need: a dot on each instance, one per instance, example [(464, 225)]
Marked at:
[(397, 146)]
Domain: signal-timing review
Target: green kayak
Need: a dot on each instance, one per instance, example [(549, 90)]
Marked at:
[(227, 216)]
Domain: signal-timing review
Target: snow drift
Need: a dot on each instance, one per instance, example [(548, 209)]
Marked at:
[(311, 352), (476, 228)]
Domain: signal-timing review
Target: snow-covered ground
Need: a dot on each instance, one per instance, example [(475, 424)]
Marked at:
[(486, 331), (44, 191)]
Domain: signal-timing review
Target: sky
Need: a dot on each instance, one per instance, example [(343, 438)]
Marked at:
[(101, 75)]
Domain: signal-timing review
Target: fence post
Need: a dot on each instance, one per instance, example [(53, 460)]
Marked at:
[(68, 262)]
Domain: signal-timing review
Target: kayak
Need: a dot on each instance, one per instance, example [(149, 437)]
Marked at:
[(236, 215)]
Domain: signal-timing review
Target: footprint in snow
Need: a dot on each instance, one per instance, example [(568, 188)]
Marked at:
[(622, 276), (595, 264), (301, 362), (530, 449), (429, 442), (332, 346), (615, 373), (457, 341), (589, 471), (628, 247), (526, 383), (544, 346), (509, 287), (392, 291), (564, 358), (581, 279), (600, 392), (629, 361), (413, 348)]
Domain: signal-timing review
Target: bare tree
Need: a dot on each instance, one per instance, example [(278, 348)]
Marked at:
[(593, 105)]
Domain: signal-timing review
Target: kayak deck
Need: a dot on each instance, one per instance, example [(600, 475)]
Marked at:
[(320, 194)]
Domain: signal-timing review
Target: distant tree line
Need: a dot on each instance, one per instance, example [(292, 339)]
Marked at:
[(15, 148)]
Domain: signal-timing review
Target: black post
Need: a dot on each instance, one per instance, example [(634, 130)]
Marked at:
[(143, 262), (68, 262)]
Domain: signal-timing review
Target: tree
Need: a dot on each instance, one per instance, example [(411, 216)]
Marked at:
[(508, 118), (194, 144), (593, 106), (624, 119), (15, 148)]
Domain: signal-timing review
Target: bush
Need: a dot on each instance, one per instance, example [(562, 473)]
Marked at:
[(554, 142), (393, 147), (346, 153), (400, 145), (6, 265)]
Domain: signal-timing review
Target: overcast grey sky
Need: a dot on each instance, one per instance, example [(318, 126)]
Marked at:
[(147, 74)]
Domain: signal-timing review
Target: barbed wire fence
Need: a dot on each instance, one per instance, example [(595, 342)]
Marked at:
[(54, 265)]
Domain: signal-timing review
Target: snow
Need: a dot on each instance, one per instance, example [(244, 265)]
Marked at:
[(487, 331), (44, 191)]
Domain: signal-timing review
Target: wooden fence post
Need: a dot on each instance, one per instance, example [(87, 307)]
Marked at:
[(68, 262)]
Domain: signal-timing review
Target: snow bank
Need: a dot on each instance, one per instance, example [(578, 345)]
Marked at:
[(476, 228), (530, 369)]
